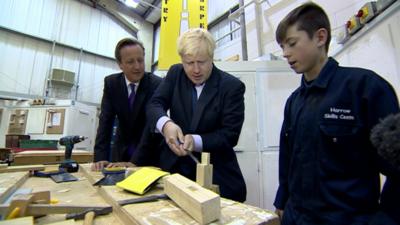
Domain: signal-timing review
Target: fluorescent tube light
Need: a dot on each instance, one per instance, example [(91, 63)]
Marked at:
[(131, 3)]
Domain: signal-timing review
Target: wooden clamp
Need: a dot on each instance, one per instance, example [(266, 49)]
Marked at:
[(19, 203)]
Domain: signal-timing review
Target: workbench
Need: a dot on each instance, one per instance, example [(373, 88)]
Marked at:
[(157, 212)]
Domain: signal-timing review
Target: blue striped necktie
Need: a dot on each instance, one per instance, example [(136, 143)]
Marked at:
[(131, 98)]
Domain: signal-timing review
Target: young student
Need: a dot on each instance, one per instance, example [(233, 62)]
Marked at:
[(328, 168)]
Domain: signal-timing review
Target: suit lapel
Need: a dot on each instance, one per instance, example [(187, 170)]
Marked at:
[(186, 95), (124, 94), (209, 91)]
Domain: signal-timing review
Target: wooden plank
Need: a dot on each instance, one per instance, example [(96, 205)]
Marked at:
[(51, 153), (202, 204), (9, 182), (50, 156), (123, 215), (21, 168), (28, 220), (233, 58), (43, 209)]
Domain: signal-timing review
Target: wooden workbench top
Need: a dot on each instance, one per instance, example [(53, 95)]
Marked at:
[(77, 193), (159, 212), (167, 212)]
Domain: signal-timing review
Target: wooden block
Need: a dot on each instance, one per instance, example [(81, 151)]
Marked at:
[(205, 158), (41, 197), (204, 171), (18, 221), (21, 168), (233, 58), (202, 204), (22, 202), (215, 188), (204, 175)]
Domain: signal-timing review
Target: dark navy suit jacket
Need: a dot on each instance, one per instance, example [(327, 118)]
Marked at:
[(131, 124), (217, 117)]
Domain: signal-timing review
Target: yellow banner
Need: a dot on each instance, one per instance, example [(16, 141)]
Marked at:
[(177, 16)]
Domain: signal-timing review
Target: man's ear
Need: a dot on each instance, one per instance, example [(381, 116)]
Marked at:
[(321, 36)]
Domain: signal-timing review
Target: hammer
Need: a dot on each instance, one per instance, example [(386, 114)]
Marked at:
[(89, 214)]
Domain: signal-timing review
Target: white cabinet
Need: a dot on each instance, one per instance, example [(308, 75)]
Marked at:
[(249, 164), (268, 84), (248, 135), (36, 121), (246, 149), (270, 178), (273, 87)]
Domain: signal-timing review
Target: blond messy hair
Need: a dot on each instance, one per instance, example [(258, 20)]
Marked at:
[(191, 43)]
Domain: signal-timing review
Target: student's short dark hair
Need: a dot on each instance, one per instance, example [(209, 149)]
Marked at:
[(126, 42), (308, 17)]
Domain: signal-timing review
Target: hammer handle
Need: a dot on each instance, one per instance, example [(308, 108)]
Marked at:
[(89, 218)]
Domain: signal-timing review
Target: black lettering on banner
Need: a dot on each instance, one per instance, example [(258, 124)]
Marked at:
[(202, 8), (165, 1), (165, 18), (165, 10), (201, 25), (201, 16)]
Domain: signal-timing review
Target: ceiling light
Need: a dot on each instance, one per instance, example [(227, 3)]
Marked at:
[(131, 3)]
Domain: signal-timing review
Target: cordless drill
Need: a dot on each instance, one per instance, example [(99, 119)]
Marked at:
[(68, 141)]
